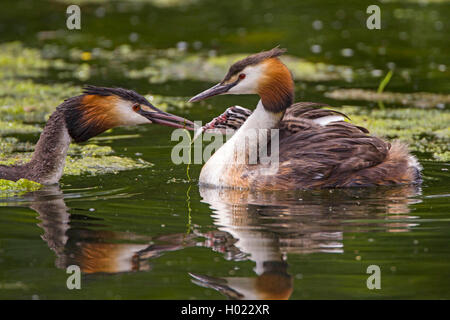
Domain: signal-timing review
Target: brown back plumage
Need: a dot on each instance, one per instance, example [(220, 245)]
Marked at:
[(339, 154)]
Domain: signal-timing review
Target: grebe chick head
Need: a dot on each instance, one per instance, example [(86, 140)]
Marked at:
[(232, 119), (99, 109), (263, 74), (227, 123)]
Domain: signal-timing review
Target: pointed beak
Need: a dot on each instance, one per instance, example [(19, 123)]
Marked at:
[(213, 91), (167, 119)]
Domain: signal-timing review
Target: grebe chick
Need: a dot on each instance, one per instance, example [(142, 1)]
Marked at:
[(317, 148), (227, 123), (80, 118)]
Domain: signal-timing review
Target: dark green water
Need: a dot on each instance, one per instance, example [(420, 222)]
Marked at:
[(139, 234)]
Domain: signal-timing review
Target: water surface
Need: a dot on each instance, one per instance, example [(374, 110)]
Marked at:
[(152, 233)]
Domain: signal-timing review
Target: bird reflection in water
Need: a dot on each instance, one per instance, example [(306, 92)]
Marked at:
[(76, 238), (257, 226), (266, 227)]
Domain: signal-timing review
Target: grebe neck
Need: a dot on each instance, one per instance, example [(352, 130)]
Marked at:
[(48, 160), (234, 153), (261, 118)]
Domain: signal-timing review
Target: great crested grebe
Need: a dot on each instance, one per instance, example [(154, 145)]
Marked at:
[(317, 148), (81, 118)]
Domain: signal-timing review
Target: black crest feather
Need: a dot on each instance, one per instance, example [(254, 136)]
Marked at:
[(253, 59), (125, 94)]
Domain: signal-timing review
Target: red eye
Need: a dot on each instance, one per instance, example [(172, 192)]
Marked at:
[(242, 76), (136, 107)]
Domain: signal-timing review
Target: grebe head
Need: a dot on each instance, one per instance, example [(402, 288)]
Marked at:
[(99, 109), (263, 74)]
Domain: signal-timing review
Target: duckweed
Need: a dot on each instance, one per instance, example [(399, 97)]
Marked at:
[(92, 165), (10, 188), (21, 99), (426, 131), (415, 99), (162, 65), (182, 66), (14, 127), (89, 150), (7, 145), (82, 159)]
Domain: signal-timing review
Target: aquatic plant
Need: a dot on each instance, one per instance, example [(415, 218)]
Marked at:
[(426, 131), (413, 99), (14, 188)]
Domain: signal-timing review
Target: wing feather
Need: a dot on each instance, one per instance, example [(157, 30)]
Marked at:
[(315, 155)]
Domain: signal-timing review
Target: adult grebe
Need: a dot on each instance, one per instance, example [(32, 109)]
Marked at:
[(81, 118), (317, 148)]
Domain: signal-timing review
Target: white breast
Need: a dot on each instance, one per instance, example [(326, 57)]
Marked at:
[(216, 169)]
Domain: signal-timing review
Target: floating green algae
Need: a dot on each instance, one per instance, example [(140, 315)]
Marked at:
[(16, 59), (7, 145), (182, 66), (92, 159), (414, 99), (21, 99), (162, 65), (87, 159), (14, 159), (13, 127), (172, 64), (90, 164), (10, 188), (25, 101), (102, 165), (425, 130), (89, 150)]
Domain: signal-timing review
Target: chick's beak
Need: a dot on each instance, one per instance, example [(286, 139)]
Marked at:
[(167, 119), (213, 91)]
